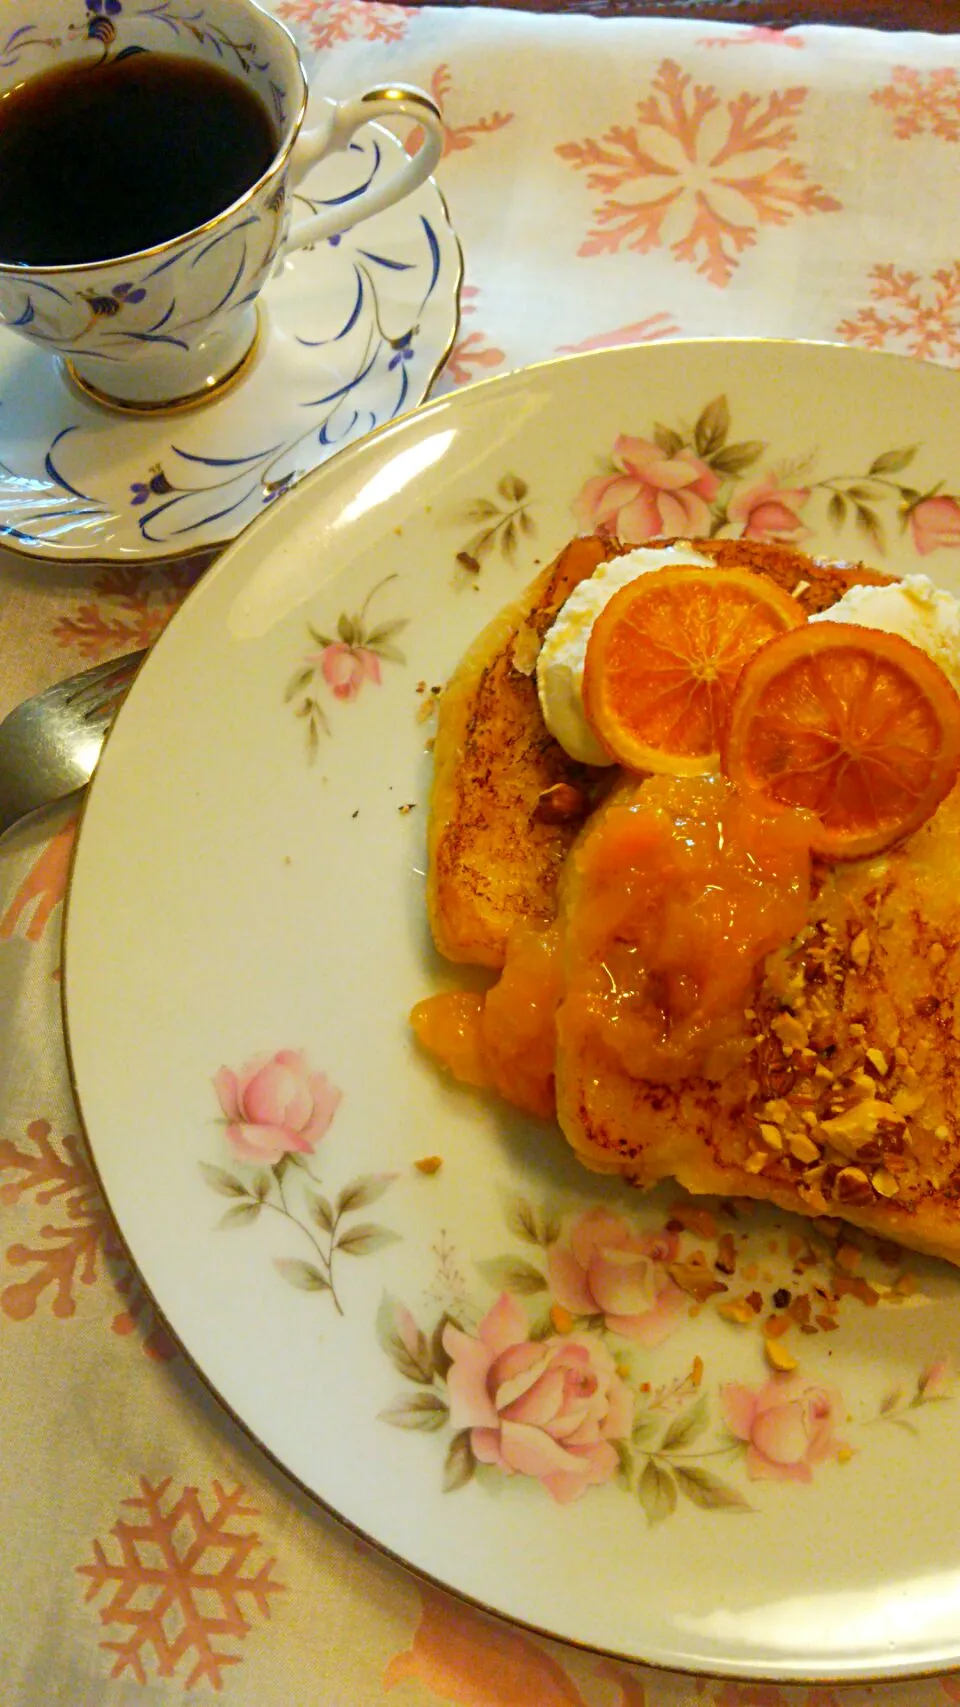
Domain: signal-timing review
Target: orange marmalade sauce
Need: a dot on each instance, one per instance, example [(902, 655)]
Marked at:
[(507, 1039), (673, 899)]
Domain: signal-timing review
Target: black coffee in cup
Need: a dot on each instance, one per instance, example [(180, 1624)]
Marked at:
[(104, 160)]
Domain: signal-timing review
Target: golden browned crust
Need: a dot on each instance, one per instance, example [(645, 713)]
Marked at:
[(493, 861)]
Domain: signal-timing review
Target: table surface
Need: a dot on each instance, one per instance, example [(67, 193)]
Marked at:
[(846, 231)]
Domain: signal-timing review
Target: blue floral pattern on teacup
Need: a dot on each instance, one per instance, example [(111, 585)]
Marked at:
[(194, 23), (20, 41)]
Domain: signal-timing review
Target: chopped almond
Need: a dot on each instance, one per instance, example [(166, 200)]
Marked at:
[(776, 1326), (735, 1310), (779, 1357), (726, 1259), (694, 1277)]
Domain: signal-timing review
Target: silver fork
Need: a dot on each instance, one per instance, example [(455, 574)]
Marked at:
[(49, 745)]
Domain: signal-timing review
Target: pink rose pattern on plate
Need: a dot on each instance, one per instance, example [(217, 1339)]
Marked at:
[(551, 1378), (787, 1427), (694, 482), (935, 523), (604, 1268), (341, 663), (652, 489), (553, 1409), (275, 1106), (275, 1111), (771, 512)]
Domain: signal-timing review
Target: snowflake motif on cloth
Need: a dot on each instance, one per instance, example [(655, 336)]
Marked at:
[(76, 1245), (918, 317), (128, 606), (920, 102), (697, 174), (473, 351), (328, 23), (184, 1576)]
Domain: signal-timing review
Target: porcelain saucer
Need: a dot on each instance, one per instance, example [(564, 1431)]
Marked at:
[(352, 333)]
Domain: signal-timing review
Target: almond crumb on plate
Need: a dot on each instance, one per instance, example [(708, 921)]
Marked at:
[(779, 1357)]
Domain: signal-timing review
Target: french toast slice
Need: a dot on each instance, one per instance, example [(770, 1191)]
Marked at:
[(495, 859), (492, 864), (846, 1098)]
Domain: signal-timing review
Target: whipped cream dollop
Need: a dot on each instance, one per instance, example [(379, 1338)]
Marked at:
[(913, 608), (560, 664)]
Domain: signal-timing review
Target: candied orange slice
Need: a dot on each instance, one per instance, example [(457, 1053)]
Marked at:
[(664, 657), (858, 726)]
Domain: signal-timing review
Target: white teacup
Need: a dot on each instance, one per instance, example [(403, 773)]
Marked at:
[(173, 323)]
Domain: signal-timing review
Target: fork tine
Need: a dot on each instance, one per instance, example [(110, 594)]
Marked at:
[(49, 745), (89, 683), (94, 691)]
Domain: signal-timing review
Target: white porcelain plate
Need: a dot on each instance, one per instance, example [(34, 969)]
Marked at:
[(353, 332), (498, 1370)]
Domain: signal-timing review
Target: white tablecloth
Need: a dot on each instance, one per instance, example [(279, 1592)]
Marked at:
[(611, 181)]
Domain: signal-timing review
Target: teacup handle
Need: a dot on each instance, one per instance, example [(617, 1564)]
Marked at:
[(347, 117)]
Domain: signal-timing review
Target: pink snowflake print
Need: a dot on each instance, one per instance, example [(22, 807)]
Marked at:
[(765, 1695), (74, 1245), (697, 174), (646, 331), (330, 22), (183, 1574), (922, 101), (469, 355), (456, 137), (127, 605), (915, 316), (472, 353)]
